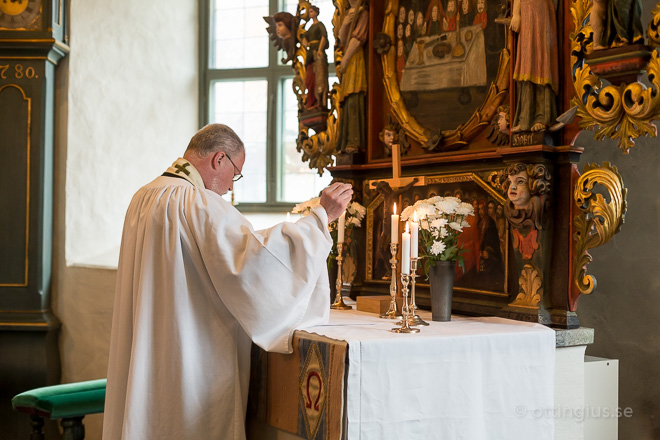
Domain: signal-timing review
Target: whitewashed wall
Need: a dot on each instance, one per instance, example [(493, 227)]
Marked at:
[(132, 109), (126, 111)]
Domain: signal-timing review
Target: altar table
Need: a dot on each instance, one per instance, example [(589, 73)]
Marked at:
[(471, 378)]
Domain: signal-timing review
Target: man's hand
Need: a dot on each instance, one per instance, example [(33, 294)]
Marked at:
[(335, 199)]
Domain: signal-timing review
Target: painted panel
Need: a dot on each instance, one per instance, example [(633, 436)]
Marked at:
[(14, 185)]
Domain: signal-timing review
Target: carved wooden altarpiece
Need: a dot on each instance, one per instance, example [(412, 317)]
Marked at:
[(444, 83)]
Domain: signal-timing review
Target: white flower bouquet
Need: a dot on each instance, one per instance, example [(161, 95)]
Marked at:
[(305, 208), (441, 221), (354, 213)]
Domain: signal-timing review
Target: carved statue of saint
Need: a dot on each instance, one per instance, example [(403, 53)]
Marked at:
[(526, 186), (282, 30), (316, 64), (616, 23), (353, 33), (536, 65)]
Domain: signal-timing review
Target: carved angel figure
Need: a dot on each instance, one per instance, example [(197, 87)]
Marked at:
[(316, 64), (282, 30)]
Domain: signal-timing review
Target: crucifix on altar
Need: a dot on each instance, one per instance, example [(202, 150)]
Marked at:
[(397, 181), (392, 188)]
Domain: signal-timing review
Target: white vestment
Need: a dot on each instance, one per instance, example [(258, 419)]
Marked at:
[(195, 284)]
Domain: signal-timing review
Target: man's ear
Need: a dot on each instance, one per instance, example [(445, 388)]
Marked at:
[(216, 159)]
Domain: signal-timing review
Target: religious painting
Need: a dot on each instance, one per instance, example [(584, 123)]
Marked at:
[(485, 242), (447, 63)]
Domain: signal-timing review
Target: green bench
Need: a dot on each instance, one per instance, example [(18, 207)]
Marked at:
[(69, 402)]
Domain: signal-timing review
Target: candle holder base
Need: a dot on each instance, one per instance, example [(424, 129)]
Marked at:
[(417, 320), (391, 315), (339, 304), (404, 330), (393, 312)]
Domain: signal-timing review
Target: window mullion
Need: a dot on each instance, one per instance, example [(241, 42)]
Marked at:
[(204, 62), (273, 121)]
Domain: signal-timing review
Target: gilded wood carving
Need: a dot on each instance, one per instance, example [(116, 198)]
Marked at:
[(598, 219), (531, 288), (317, 148), (621, 112)]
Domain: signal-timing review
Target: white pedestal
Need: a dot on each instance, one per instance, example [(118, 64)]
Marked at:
[(601, 398), (569, 393)]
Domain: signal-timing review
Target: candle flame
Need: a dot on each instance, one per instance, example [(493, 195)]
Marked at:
[(408, 227), (415, 216), (288, 216), (395, 208)]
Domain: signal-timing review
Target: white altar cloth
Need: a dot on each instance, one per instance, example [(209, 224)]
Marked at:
[(471, 378)]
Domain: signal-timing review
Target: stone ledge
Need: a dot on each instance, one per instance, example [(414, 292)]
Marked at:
[(573, 337)]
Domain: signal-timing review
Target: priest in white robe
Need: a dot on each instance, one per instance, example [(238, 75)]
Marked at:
[(196, 284)]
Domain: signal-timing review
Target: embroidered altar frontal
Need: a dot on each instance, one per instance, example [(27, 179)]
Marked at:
[(302, 392)]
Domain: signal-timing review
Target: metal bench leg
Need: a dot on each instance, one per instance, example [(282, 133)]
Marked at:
[(73, 429), (37, 427)]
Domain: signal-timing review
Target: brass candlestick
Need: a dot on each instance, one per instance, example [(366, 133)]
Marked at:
[(414, 318), (393, 312), (405, 322), (339, 300)]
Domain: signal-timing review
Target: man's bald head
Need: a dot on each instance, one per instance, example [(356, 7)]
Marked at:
[(213, 138)]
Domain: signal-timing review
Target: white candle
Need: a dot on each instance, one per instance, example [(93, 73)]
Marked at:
[(395, 226), (288, 216), (414, 237), (340, 227), (405, 252)]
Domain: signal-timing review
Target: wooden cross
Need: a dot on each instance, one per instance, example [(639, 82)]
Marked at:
[(397, 181), (180, 168)]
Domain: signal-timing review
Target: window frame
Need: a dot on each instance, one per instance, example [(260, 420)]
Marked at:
[(275, 74)]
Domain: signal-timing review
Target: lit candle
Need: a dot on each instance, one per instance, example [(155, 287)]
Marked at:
[(288, 216), (340, 228), (395, 226), (414, 237), (405, 252)]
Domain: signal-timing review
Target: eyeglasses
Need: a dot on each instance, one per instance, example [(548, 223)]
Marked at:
[(238, 176)]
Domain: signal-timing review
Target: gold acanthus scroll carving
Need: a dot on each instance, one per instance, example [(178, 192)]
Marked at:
[(531, 289), (653, 32), (598, 220), (624, 112)]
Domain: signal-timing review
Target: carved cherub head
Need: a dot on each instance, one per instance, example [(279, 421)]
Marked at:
[(525, 185), (498, 130), (282, 30), (389, 135), (522, 182)]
